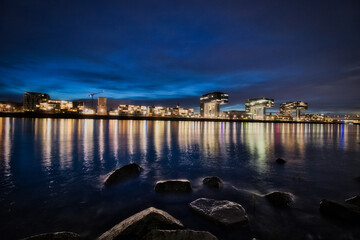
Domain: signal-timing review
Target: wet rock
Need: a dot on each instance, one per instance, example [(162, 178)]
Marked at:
[(280, 161), (222, 211), (280, 199), (176, 185), (179, 235), (354, 201), (55, 236), (138, 225), (343, 212), (123, 173), (212, 182)]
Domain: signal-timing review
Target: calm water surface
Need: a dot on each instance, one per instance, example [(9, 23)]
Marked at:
[(52, 172)]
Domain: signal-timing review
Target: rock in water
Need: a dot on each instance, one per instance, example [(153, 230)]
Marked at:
[(280, 161), (343, 212), (177, 185), (212, 182), (138, 225), (354, 201), (280, 199), (179, 235), (55, 236), (125, 172), (222, 211)]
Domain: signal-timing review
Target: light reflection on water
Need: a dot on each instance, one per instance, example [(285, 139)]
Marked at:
[(65, 160)]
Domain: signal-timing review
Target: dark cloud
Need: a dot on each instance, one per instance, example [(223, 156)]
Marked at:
[(168, 51)]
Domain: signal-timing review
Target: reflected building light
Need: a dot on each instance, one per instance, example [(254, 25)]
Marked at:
[(234, 132), (143, 137), (7, 144), (259, 144), (168, 135), (69, 134), (61, 134), (158, 138), (101, 141), (130, 135), (46, 142), (114, 130), (88, 142)]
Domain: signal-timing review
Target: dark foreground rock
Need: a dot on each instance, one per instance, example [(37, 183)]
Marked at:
[(280, 199), (177, 185), (222, 211), (212, 182), (354, 201), (138, 225), (280, 161), (342, 212), (179, 235), (123, 173), (55, 236)]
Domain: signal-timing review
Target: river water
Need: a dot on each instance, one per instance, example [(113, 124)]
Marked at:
[(52, 173)]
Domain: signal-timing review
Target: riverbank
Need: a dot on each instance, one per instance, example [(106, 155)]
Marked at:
[(123, 117)]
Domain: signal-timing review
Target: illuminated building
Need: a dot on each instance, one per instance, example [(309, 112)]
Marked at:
[(11, 107), (159, 111), (210, 104), (287, 108), (61, 106), (32, 100), (256, 107), (102, 106), (88, 111), (125, 109), (78, 106), (186, 112), (236, 114)]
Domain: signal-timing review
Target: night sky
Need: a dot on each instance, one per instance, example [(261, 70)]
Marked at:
[(165, 52)]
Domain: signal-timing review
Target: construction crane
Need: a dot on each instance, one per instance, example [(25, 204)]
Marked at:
[(92, 98)]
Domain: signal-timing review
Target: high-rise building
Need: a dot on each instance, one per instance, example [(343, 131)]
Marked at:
[(256, 107), (32, 100), (102, 106), (210, 104), (287, 108)]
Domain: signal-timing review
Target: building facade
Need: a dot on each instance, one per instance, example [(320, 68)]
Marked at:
[(102, 106), (32, 100), (286, 109), (256, 107), (210, 104), (234, 114), (152, 111)]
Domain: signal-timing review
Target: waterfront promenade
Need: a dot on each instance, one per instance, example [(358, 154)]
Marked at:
[(134, 117)]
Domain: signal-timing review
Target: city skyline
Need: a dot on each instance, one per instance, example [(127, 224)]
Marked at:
[(161, 52)]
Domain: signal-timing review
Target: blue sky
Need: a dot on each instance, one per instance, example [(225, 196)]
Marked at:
[(166, 52)]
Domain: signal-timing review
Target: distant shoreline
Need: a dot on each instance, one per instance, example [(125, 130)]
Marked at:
[(109, 117)]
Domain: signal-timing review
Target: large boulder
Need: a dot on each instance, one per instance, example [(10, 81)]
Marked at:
[(342, 212), (212, 182), (280, 161), (179, 235), (125, 172), (280, 199), (176, 185), (138, 225), (222, 211), (55, 236), (354, 200)]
